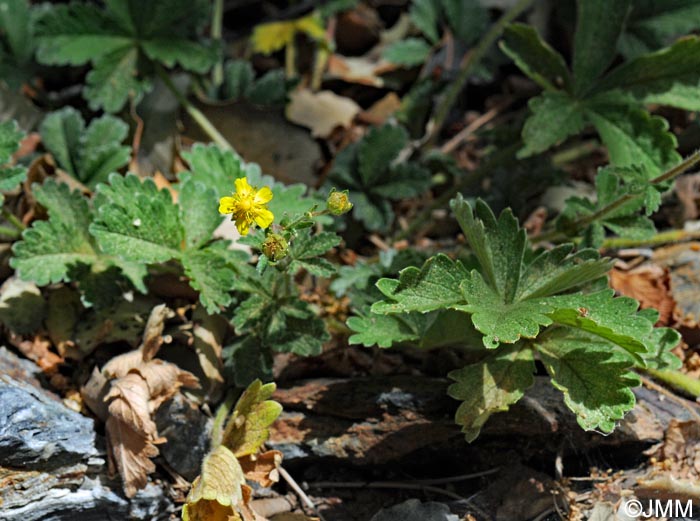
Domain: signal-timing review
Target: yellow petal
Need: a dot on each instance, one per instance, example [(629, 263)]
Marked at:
[(264, 217), (311, 26), (242, 185), (227, 205), (264, 195), (271, 37), (242, 225)]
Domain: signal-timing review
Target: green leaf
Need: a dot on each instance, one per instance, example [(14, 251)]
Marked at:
[(210, 273), (555, 117), (119, 38), (301, 336), (434, 286), (306, 250), (632, 136), (10, 176), (49, 249), (378, 149), (670, 76), (499, 245), (651, 25), (499, 321), (270, 89), (89, 154), (409, 52), (135, 221), (199, 212), (372, 329), (535, 57), (248, 427), (467, 18), (238, 79), (595, 380), (598, 27), (425, 15), (604, 315), (16, 27), (490, 386), (663, 340)]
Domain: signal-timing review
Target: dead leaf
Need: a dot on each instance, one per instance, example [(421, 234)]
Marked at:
[(128, 402), (321, 112), (131, 453), (360, 70), (164, 380), (94, 392), (262, 468), (207, 336), (38, 350), (650, 285), (153, 333), (381, 110)]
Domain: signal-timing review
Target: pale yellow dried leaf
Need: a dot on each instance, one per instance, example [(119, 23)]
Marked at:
[(321, 112), (123, 364), (153, 332), (262, 468), (128, 402), (163, 380)]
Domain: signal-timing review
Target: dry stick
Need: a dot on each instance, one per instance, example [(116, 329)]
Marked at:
[(584, 221), (472, 127), (471, 61), (193, 111), (300, 492)]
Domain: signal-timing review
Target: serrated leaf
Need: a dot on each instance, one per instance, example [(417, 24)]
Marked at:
[(49, 249), (594, 378), (500, 321), (670, 76), (535, 57), (425, 15), (633, 136), (555, 116), (467, 18), (377, 150), (270, 89), (612, 318), (306, 250), (301, 336), (211, 275), (434, 286), (248, 426), (595, 40), (409, 52), (88, 154), (490, 386), (652, 24), (10, 176), (117, 38), (199, 215), (135, 221), (17, 27), (373, 329), (238, 79), (499, 245), (663, 340)]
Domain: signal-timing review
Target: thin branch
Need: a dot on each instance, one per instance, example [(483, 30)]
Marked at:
[(300, 492)]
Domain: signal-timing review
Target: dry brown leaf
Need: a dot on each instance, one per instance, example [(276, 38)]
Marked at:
[(153, 333), (381, 110), (94, 392), (121, 365), (164, 380), (131, 453), (208, 335), (681, 449), (128, 401), (360, 70), (650, 285), (262, 468), (37, 349), (321, 112)]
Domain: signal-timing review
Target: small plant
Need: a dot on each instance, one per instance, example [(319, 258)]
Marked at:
[(525, 304)]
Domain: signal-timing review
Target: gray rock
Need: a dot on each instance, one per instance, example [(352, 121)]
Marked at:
[(38, 432), (187, 430), (414, 510)]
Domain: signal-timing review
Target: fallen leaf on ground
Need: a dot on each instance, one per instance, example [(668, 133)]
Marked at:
[(650, 285), (321, 112), (262, 468)]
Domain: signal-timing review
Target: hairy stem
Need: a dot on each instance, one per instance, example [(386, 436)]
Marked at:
[(194, 112), (13, 220), (680, 381), (10, 233), (656, 239), (468, 65), (217, 22)]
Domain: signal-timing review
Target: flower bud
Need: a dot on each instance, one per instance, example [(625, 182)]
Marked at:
[(275, 247), (338, 203)]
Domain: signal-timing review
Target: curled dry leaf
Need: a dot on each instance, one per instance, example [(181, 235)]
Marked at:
[(134, 385), (321, 111), (650, 285), (262, 468)]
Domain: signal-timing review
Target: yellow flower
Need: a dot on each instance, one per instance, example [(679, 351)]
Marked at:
[(273, 36), (247, 206)]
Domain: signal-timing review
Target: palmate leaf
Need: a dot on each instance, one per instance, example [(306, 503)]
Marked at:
[(88, 154), (136, 221), (117, 37), (210, 273), (490, 386), (307, 249), (555, 117), (595, 379)]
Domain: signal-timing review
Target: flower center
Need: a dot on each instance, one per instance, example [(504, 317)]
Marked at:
[(246, 205)]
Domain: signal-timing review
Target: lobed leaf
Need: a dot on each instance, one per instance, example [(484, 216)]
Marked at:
[(555, 116)]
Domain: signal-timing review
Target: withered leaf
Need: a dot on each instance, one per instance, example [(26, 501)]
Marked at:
[(128, 402), (262, 468), (131, 453)]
